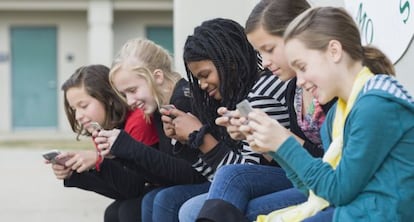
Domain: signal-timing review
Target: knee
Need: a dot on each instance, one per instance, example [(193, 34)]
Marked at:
[(188, 211), (164, 199), (148, 199), (231, 176), (229, 171), (111, 212)]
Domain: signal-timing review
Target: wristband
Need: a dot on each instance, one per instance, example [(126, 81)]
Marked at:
[(98, 162), (196, 138), (99, 158)]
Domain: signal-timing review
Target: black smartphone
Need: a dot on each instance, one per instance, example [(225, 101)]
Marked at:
[(51, 156), (169, 107)]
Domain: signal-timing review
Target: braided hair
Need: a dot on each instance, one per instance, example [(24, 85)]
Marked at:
[(224, 43)]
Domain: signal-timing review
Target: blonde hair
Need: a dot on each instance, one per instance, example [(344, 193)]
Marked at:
[(316, 27), (143, 57)]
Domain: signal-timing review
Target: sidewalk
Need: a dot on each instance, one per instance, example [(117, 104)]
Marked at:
[(30, 192)]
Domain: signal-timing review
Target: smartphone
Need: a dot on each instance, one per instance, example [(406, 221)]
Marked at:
[(95, 126), (169, 107), (244, 108), (51, 156)]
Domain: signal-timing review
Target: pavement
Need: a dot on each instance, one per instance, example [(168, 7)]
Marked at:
[(30, 192)]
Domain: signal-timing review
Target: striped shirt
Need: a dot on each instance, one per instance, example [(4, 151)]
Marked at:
[(268, 94)]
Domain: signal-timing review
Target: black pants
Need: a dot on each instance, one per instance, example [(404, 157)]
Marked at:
[(116, 181), (125, 210)]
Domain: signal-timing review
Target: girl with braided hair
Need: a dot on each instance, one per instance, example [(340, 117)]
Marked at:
[(222, 68), (244, 194)]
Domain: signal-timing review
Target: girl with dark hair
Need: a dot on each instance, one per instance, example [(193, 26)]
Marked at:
[(264, 28), (222, 68), (88, 98), (366, 173)]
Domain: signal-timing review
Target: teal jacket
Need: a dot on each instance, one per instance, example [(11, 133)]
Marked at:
[(374, 180)]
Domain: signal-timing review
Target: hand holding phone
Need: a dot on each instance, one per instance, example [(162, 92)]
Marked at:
[(244, 108), (94, 126), (51, 156), (169, 107)]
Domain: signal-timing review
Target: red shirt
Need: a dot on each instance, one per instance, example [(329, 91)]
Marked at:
[(140, 129)]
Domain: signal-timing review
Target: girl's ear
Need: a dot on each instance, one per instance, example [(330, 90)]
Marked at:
[(158, 76), (335, 50)]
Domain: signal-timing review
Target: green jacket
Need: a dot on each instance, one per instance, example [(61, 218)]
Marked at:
[(374, 180)]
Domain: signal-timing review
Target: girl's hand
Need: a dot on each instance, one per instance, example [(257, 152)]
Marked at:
[(263, 133), (61, 172), (168, 125), (105, 139), (81, 161), (232, 121), (184, 124)]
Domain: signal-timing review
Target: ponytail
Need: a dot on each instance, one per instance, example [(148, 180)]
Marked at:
[(377, 61)]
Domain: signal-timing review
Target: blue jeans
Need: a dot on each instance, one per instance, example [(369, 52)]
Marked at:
[(274, 201), (190, 209), (323, 216), (247, 187), (162, 204)]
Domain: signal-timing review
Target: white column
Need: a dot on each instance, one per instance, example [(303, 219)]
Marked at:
[(100, 34)]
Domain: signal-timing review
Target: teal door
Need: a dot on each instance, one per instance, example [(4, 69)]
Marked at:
[(33, 67), (163, 36)]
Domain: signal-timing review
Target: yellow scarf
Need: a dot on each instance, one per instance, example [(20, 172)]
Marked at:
[(314, 204)]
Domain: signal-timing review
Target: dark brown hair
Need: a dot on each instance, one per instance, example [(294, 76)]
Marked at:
[(95, 80), (318, 26), (274, 15)]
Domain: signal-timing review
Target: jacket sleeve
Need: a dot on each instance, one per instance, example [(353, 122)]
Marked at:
[(367, 142), (291, 174), (168, 169)]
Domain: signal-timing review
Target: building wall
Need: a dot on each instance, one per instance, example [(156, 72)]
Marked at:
[(71, 40), (190, 13), (131, 24), (130, 18)]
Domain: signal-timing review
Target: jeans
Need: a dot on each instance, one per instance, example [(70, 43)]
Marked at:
[(323, 216), (274, 201), (190, 209), (162, 204), (250, 188)]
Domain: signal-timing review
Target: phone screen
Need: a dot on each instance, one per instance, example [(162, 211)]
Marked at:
[(51, 156), (244, 107), (169, 107)]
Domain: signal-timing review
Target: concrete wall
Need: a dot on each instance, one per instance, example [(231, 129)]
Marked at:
[(72, 33), (131, 24), (71, 40), (190, 13)]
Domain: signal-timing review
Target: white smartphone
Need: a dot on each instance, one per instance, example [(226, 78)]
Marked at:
[(51, 156), (244, 108)]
